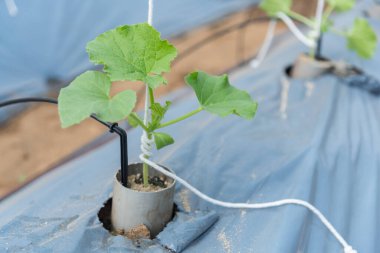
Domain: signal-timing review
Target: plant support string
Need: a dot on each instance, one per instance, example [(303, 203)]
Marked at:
[(145, 138), (146, 146), (255, 63)]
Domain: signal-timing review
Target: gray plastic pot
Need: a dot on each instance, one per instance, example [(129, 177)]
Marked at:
[(132, 208), (306, 67)]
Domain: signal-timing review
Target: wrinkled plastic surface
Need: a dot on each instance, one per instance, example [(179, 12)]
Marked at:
[(365, 82), (185, 228), (45, 43), (327, 151)]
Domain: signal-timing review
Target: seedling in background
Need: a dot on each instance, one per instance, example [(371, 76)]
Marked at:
[(137, 53), (360, 37)]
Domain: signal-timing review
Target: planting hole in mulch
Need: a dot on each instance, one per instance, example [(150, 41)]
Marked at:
[(138, 232), (288, 71), (307, 67)]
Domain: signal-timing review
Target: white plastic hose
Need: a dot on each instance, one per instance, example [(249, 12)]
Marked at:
[(255, 63), (293, 28)]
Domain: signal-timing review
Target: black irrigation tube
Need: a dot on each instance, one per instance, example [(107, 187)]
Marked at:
[(113, 128), (319, 47)]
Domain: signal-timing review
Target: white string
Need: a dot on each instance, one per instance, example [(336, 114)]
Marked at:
[(309, 41), (255, 63), (313, 35), (150, 12), (285, 85), (309, 88), (293, 28), (346, 246), (12, 7), (319, 17), (146, 143), (146, 147)]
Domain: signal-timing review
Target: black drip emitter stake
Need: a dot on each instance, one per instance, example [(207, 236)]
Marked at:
[(113, 127), (123, 152), (318, 55)]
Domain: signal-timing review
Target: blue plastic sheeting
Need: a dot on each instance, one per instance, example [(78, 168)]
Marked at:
[(185, 228), (327, 152), (47, 39)]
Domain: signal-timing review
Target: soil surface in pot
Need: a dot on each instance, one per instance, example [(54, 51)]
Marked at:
[(135, 182)]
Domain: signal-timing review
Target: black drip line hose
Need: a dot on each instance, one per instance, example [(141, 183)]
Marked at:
[(113, 128)]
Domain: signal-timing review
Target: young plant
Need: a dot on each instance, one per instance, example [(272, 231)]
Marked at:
[(360, 38), (137, 53)]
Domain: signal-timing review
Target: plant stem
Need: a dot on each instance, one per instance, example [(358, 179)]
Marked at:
[(180, 118), (301, 18), (146, 168), (139, 121), (145, 174), (151, 97)]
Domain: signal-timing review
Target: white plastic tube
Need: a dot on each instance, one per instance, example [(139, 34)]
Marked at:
[(293, 28), (347, 248), (255, 63)]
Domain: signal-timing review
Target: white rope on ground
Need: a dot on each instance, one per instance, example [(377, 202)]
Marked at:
[(285, 85), (347, 248), (293, 28), (309, 88), (12, 7), (255, 63), (146, 147)]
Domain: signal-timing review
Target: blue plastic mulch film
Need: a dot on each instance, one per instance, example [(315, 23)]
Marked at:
[(45, 42), (185, 228), (327, 151), (366, 82)]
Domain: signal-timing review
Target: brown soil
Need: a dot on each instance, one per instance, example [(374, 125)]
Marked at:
[(33, 141), (138, 232), (135, 183)]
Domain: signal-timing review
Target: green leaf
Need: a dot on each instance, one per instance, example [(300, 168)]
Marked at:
[(158, 113), (341, 5), (132, 121), (133, 53), (216, 95), (362, 39), (272, 7), (88, 94), (162, 140)]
